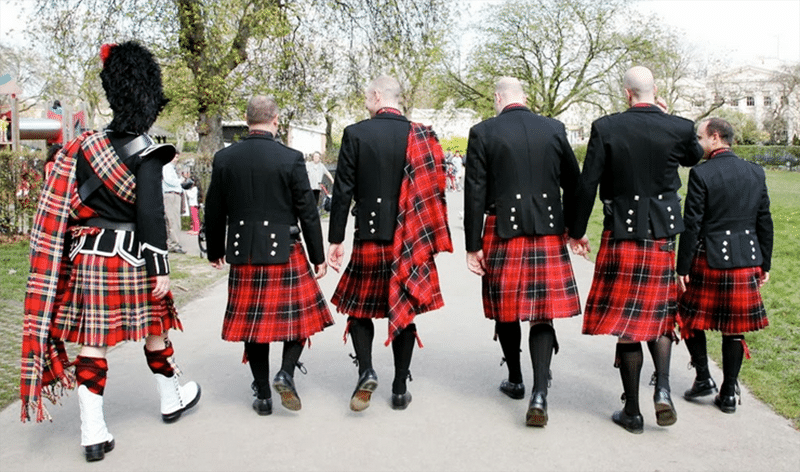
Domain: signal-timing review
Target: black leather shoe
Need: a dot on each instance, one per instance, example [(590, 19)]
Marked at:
[(97, 452), (700, 388), (400, 401), (726, 403), (665, 410), (634, 424), (284, 385), (367, 383), (513, 390), (263, 406), (537, 410)]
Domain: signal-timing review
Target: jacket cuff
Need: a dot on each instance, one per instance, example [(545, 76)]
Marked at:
[(156, 260)]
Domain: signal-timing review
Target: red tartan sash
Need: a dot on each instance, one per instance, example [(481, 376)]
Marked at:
[(422, 229), (44, 360)]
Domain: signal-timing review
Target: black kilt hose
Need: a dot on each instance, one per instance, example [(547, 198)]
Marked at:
[(363, 289), (528, 278), (275, 302), (106, 300), (634, 293), (725, 300)]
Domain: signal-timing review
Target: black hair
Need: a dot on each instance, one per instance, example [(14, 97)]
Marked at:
[(721, 128)]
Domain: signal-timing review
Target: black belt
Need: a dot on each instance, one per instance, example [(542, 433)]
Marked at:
[(108, 224)]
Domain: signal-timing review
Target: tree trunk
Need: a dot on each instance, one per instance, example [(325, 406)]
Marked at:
[(328, 133), (209, 129)]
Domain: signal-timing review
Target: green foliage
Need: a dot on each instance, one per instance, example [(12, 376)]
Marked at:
[(21, 182), (453, 144), (747, 131), (770, 156), (580, 152)]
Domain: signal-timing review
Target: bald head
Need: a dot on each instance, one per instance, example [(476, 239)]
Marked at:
[(507, 91), (261, 110), (639, 85)]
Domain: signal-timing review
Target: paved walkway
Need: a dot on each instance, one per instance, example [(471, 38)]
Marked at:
[(457, 421)]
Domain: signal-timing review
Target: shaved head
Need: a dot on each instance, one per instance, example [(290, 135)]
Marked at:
[(508, 90), (639, 83), (388, 86)]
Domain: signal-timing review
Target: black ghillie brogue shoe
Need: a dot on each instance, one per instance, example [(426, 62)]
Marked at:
[(726, 403), (537, 410), (400, 401), (665, 410), (97, 452), (700, 388), (367, 383), (513, 390), (263, 406), (284, 385), (633, 424)]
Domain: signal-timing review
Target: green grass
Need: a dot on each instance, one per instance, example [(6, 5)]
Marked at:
[(190, 276), (773, 372)]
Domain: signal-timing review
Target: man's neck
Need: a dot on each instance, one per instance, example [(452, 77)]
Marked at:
[(263, 127)]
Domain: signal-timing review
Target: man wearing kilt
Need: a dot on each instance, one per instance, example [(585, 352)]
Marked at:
[(724, 259), (394, 170), (634, 157), (259, 190), (99, 265), (517, 164)]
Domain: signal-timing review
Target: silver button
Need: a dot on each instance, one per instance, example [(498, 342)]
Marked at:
[(724, 250), (754, 257), (372, 230), (724, 243), (241, 222), (660, 197), (728, 232), (551, 217), (378, 199), (519, 197), (544, 195), (236, 253), (272, 253), (747, 231), (630, 230), (236, 235), (752, 243), (372, 214), (511, 218), (236, 244), (515, 226), (275, 244), (669, 208), (630, 212), (272, 235), (266, 223), (636, 197), (551, 225), (549, 208), (513, 210), (753, 249), (371, 222), (672, 217), (726, 258), (629, 221), (671, 226)]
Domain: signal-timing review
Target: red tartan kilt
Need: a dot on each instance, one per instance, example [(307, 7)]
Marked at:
[(106, 301), (528, 278), (275, 302), (723, 300), (634, 293), (363, 289)]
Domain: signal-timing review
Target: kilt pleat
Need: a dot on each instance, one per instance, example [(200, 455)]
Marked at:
[(363, 289), (528, 278), (634, 292), (275, 302), (106, 301), (725, 300)]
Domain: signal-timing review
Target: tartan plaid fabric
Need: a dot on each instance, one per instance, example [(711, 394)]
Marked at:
[(44, 359), (725, 300), (91, 372), (634, 292), (528, 278), (112, 172), (274, 302), (363, 289), (400, 280), (161, 362), (422, 231), (107, 301)]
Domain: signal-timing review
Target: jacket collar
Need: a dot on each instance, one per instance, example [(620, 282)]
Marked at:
[(389, 116), (514, 107), (645, 107), (260, 135)]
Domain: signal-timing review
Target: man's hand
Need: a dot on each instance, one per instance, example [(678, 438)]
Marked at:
[(580, 247), (162, 286), (476, 262), (320, 270), (335, 256), (764, 278), (683, 281), (219, 263)]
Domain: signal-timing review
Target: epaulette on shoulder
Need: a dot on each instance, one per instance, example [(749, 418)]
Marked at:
[(163, 152)]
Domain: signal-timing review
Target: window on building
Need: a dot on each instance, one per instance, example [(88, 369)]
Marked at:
[(750, 100), (767, 100), (734, 102)]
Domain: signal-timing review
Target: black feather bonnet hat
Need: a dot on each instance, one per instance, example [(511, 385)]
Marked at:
[(132, 82)]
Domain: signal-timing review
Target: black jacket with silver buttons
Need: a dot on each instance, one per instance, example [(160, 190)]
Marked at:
[(370, 171), (259, 190), (634, 157), (517, 164), (727, 212)]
